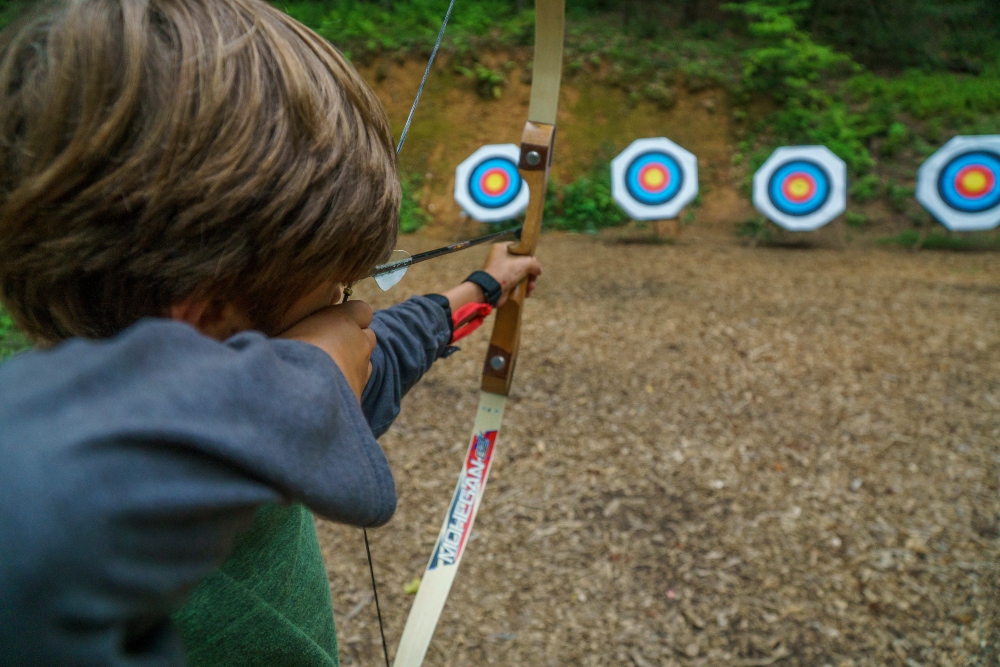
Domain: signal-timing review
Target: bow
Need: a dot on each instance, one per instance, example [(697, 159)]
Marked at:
[(498, 371)]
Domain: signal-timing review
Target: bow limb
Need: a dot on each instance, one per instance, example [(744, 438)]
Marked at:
[(535, 160)]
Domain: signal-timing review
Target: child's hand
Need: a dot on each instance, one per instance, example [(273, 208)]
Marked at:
[(509, 270), (342, 332)]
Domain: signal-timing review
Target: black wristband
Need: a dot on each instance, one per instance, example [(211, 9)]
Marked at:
[(492, 291)]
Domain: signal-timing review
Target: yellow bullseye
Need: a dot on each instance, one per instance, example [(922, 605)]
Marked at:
[(974, 181), (654, 178), (494, 183), (799, 188)]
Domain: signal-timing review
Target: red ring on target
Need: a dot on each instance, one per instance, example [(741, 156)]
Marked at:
[(799, 187), (494, 181), (654, 178), (975, 181)]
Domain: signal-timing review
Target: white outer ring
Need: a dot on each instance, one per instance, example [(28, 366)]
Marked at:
[(517, 205), (927, 190), (836, 201), (639, 211)]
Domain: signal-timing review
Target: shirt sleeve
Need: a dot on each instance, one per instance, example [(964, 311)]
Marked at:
[(131, 464), (411, 336)]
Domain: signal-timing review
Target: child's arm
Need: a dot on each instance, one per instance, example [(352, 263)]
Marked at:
[(131, 464), (413, 334)]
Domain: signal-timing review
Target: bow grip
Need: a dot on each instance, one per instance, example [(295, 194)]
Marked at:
[(536, 158)]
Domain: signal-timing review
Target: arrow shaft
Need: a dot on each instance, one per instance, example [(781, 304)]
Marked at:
[(439, 252)]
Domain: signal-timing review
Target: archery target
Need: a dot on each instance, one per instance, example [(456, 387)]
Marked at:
[(801, 188), (488, 186), (960, 183), (653, 179)]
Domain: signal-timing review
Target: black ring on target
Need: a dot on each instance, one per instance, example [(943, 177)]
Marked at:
[(970, 182), (494, 183), (799, 173), (669, 178)]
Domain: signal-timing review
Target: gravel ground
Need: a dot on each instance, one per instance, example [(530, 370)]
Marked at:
[(712, 455)]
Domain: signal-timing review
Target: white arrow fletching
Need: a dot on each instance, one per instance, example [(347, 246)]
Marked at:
[(385, 281)]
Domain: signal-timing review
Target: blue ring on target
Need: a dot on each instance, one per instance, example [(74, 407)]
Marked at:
[(640, 191), (799, 173), (479, 189), (953, 188)]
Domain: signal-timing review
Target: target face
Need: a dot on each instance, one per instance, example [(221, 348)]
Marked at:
[(960, 184), (801, 188), (488, 186), (653, 179)]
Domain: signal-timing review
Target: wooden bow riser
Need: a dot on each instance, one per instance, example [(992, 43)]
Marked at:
[(536, 158)]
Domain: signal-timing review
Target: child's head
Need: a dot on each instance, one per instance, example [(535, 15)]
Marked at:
[(152, 150)]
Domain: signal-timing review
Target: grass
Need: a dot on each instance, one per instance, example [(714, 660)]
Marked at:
[(939, 240)]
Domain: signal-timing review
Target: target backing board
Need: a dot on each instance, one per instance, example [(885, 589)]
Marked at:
[(653, 179), (801, 188), (488, 186), (960, 183)]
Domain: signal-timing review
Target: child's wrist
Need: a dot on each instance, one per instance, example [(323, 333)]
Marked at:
[(462, 294)]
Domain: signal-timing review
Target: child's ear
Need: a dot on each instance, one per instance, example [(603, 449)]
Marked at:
[(211, 316)]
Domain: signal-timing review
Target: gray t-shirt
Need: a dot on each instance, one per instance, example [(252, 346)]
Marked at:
[(129, 465)]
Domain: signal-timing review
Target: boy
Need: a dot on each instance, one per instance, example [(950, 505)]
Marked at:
[(185, 188)]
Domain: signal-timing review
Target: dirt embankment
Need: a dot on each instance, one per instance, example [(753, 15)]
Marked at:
[(712, 455), (453, 121)]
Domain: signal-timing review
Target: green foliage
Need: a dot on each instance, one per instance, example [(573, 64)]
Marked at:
[(11, 340), (10, 10), (899, 195), (855, 220), (938, 240), (897, 137), (866, 188), (411, 216), (755, 230), (489, 83), (936, 97), (368, 27), (585, 205), (663, 96), (785, 64), (960, 35)]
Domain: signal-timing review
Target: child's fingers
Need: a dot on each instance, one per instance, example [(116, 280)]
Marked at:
[(531, 286)]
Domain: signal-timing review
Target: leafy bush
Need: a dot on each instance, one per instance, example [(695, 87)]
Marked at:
[(585, 205), (936, 97), (489, 83), (899, 195), (411, 216), (896, 139), (866, 188), (785, 64)]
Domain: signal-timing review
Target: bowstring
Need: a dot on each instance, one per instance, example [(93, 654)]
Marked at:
[(399, 147), (378, 610), (427, 71)]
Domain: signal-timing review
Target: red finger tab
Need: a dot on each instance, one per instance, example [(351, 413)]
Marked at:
[(467, 319)]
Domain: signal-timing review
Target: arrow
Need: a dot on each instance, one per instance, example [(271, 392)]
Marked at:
[(391, 272)]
